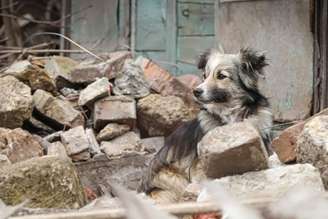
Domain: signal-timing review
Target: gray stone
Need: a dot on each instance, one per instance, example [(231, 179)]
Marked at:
[(75, 140), (131, 81), (125, 144), (312, 145), (273, 183), (112, 130), (232, 149), (82, 156), (19, 145), (58, 110), (57, 149), (115, 109), (124, 170), (53, 137), (160, 115), (98, 89), (16, 102), (153, 144), (32, 75), (88, 72), (4, 160), (94, 147), (60, 68), (47, 182)]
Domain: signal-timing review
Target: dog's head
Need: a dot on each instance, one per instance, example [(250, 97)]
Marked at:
[(229, 77)]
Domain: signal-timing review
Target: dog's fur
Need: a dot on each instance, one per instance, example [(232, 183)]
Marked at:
[(229, 93)]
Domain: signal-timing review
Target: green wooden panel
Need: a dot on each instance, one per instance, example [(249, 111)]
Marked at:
[(150, 25), (195, 19), (189, 48)]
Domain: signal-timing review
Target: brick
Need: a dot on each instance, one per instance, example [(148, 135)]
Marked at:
[(98, 89), (75, 140), (112, 130), (114, 109)]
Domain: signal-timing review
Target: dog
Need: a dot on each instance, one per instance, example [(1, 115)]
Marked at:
[(229, 93)]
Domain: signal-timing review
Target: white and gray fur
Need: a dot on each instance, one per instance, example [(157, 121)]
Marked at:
[(228, 94)]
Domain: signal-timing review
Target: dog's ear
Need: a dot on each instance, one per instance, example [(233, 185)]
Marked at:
[(251, 64), (203, 58), (252, 61)]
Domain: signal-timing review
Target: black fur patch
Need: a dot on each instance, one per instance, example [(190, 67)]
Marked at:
[(203, 58), (219, 95)]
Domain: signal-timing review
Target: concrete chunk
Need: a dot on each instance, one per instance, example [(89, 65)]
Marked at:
[(98, 89), (160, 115), (32, 75), (61, 112), (273, 183), (57, 149), (232, 149), (112, 130), (48, 182), (75, 140), (312, 145), (19, 145), (16, 102), (94, 147), (114, 109), (129, 142)]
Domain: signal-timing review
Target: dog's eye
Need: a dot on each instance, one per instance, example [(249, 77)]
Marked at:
[(220, 76)]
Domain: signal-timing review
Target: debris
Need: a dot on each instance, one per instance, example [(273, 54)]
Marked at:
[(60, 69), (32, 75), (219, 150), (75, 140), (4, 160), (82, 156), (57, 149), (98, 89), (127, 143), (88, 72), (131, 81), (126, 170), (272, 183), (152, 144), (159, 115), (312, 145), (112, 130), (285, 144), (16, 102), (115, 109), (19, 145), (48, 182), (53, 137), (36, 126), (58, 113), (94, 147)]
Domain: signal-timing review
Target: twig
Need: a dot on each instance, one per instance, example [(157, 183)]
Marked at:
[(18, 51), (68, 39)]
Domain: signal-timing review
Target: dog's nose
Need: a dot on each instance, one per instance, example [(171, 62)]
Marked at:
[(198, 92)]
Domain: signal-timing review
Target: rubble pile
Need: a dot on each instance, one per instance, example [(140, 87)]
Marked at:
[(68, 130)]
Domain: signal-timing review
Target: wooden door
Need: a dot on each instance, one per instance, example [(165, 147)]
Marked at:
[(173, 33)]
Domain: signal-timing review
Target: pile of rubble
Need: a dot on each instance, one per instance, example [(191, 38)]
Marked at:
[(69, 129), (107, 116)]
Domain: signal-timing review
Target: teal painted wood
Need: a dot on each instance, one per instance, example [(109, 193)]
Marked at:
[(151, 25), (195, 19)]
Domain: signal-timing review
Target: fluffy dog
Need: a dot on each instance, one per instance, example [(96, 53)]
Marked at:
[(229, 93)]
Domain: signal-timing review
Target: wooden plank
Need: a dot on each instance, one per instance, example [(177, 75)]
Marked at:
[(195, 19), (171, 34), (150, 25)]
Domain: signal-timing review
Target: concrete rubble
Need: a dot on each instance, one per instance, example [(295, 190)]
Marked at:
[(221, 153), (16, 102), (70, 129)]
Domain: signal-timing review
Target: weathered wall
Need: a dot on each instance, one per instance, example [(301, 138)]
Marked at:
[(281, 28)]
